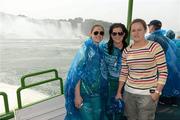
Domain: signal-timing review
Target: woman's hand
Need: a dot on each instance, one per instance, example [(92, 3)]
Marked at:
[(155, 96), (78, 101), (119, 93), (118, 96)]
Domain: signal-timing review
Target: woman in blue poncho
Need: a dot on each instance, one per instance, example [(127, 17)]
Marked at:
[(111, 67), (82, 87)]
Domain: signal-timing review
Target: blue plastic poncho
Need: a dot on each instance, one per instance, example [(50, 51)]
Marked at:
[(172, 86), (177, 42), (158, 36), (111, 65), (86, 68), (110, 68)]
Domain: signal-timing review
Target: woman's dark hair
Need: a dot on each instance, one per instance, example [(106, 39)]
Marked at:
[(110, 42)]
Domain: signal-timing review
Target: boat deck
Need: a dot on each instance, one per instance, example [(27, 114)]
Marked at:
[(168, 112)]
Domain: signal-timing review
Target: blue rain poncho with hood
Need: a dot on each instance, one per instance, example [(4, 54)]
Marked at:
[(172, 86), (86, 68), (170, 34), (110, 68), (158, 36)]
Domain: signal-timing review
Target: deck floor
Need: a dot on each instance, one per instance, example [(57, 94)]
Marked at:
[(168, 112), (164, 112)]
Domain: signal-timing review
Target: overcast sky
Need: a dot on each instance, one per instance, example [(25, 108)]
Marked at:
[(108, 10)]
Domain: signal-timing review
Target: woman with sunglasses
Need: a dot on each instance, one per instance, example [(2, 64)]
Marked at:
[(82, 87), (111, 65), (143, 72)]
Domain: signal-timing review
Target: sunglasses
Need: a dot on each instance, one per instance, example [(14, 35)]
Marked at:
[(117, 33), (96, 33)]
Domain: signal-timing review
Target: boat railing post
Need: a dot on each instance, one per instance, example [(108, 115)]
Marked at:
[(129, 18), (7, 114)]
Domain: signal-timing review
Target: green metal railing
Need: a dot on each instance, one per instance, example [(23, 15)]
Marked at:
[(25, 86), (8, 114)]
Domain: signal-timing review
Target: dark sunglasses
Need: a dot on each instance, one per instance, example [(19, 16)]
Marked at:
[(117, 33), (101, 33)]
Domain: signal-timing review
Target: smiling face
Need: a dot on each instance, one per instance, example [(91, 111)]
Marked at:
[(117, 35), (97, 34), (137, 32)]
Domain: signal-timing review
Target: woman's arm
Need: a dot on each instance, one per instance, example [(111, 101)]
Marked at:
[(78, 99), (162, 71), (119, 91), (123, 75)]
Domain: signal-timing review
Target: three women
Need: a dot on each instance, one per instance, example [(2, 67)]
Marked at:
[(92, 87)]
